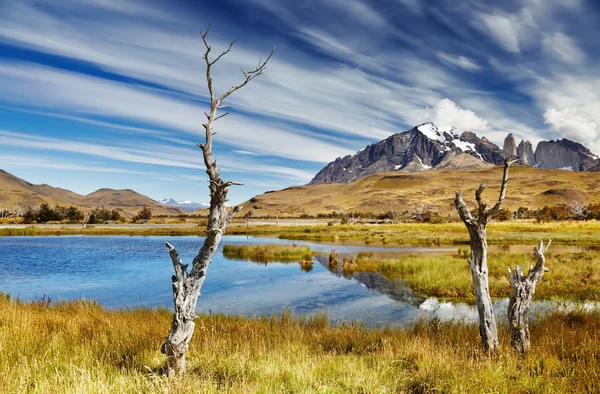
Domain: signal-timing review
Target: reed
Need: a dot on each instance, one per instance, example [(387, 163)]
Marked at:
[(80, 347)]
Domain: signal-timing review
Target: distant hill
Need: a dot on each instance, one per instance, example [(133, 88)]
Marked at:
[(16, 191), (435, 189), (425, 147)]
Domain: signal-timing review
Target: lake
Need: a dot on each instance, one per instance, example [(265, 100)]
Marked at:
[(135, 272)]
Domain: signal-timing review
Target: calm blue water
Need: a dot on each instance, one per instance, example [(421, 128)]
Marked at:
[(136, 271)]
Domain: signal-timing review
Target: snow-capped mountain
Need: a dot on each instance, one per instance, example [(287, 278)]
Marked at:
[(427, 146), (423, 147), (187, 205)]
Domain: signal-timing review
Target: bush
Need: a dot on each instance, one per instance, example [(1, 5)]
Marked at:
[(144, 214)]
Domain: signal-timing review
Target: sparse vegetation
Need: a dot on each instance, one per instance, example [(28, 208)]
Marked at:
[(263, 253), (80, 347)]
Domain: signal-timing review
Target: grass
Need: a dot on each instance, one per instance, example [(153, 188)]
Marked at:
[(79, 347), (92, 230), (573, 276), (511, 232), (264, 253)]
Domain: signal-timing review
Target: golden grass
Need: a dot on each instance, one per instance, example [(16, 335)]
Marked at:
[(79, 347), (399, 191), (573, 276), (511, 232), (264, 253)]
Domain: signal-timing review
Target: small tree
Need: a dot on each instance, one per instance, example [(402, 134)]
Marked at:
[(478, 263), (186, 286)]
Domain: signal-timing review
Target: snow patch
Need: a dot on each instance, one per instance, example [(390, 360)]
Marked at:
[(431, 131), (421, 162)]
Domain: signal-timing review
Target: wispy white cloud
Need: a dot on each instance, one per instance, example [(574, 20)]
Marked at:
[(502, 31), (562, 46), (28, 161), (52, 88), (459, 61)]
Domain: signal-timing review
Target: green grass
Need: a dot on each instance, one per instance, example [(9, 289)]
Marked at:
[(573, 276), (264, 253), (79, 347)]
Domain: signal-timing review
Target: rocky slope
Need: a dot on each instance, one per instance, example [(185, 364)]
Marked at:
[(565, 155), (426, 146)]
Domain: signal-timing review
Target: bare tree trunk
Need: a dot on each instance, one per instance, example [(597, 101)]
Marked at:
[(479, 272), (186, 287), (478, 263), (523, 289), (86, 217)]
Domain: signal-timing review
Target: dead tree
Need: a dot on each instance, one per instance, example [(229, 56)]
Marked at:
[(523, 289), (478, 263), (85, 219), (186, 286), (247, 216)]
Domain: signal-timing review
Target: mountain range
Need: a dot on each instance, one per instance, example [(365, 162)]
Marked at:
[(189, 206), (426, 146), (16, 191)]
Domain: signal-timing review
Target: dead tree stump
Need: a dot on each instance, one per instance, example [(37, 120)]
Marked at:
[(523, 289)]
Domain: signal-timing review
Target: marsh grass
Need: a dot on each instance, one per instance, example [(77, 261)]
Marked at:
[(79, 347), (510, 232), (265, 253), (573, 275)]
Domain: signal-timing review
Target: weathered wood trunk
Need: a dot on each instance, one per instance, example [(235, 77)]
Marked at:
[(479, 273), (187, 286), (488, 328), (519, 306)]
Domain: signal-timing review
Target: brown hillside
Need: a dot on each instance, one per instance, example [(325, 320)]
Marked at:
[(432, 189), (16, 191)]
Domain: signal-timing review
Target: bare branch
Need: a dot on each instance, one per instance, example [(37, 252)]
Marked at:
[(225, 52), (496, 207), (462, 209), (249, 75), (219, 117)]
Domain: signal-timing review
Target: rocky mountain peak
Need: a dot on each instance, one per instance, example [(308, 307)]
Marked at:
[(510, 145), (525, 153), (565, 155)]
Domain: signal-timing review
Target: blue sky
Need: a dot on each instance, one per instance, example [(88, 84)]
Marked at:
[(111, 93)]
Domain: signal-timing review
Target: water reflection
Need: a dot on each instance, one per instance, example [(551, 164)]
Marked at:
[(135, 271)]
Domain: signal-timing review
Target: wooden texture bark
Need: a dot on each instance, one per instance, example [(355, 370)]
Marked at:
[(187, 286), (478, 263), (519, 306)]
